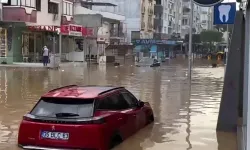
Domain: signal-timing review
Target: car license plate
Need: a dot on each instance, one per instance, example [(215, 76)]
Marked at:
[(54, 135)]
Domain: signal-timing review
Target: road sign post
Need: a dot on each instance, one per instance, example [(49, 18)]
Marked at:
[(204, 3), (224, 14)]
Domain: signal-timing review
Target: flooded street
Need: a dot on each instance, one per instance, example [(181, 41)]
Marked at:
[(185, 117)]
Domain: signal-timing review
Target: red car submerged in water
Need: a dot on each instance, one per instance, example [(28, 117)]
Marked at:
[(84, 118)]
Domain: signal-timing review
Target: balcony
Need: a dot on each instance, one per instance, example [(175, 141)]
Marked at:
[(66, 20), (150, 27), (67, 15), (158, 9), (116, 31), (143, 25), (143, 9), (150, 11), (19, 11), (158, 22)]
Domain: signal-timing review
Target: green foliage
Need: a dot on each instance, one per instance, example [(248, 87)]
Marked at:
[(196, 38), (211, 36)]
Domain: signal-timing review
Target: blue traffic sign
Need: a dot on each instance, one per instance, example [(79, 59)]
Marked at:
[(207, 3), (224, 13)]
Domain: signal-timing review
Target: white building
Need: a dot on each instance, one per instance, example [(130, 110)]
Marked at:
[(138, 15), (206, 18), (108, 28), (172, 16), (168, 18), (202, 19)]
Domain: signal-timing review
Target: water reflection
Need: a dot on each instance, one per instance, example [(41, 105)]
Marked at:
[(185, 117)]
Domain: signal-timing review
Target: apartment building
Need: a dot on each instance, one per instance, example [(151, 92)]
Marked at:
[(207, 18), (167, 18), (139, 16), (202, 18), (28, 25)]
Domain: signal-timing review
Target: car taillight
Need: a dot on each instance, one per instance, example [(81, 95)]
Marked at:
[(28, 117)]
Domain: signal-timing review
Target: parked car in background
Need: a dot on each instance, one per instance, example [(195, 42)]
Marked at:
[(83, 117), (146, 61)]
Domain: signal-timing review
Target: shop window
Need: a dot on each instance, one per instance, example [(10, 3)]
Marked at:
[(52, 8), (38, 5), (3, 42), (68, 8)]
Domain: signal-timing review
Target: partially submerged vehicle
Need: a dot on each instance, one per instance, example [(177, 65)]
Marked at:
[(146, 61)]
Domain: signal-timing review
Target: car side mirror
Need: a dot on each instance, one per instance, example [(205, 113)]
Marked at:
[(141, 104)]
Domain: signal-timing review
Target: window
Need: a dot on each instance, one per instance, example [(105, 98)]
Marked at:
[(25, 3), (68, 8), (52, 8), (49, 107), (115, 102), (132, 101), (3, 43), (38, 5), (165, 29)]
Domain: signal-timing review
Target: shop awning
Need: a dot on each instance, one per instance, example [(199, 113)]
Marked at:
[(112, 46)]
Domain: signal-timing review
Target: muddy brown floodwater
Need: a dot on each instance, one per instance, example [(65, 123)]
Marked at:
[(182, 122)]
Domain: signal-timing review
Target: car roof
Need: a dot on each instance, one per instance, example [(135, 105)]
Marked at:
[(81, 92)]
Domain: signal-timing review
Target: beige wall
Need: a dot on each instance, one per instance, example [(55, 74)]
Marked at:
[(147, 4)]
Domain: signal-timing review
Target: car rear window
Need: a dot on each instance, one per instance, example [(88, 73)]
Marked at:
[(51, 107)]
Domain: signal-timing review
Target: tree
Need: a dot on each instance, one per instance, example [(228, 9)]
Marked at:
[(211, 36), (195, 37)]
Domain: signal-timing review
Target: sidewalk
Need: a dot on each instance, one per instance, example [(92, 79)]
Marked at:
[(40, 65)]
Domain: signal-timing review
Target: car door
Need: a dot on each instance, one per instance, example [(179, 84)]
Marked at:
[(140, 114), (123, 118)]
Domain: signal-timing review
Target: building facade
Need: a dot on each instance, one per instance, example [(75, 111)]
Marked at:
[(29, 25), (207, 18), (202, 19), (167, 18), (139, 16), (109, 27)]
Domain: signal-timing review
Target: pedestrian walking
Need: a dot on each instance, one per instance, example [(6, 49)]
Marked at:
[(45, 56)]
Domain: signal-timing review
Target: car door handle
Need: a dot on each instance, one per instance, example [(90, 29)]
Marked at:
[(119, 119), (134, 115)]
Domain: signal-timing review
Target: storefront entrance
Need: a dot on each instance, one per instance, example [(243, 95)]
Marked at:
[(32, 46)]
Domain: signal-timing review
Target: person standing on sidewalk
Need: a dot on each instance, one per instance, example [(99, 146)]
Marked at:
[(45, 56)]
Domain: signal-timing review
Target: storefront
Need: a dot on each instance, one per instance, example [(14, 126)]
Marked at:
[(74, 42), (34, 39), (25, 43), (3, 43)]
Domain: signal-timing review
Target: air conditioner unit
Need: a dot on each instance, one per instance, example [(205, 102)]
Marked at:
[(55, 17)]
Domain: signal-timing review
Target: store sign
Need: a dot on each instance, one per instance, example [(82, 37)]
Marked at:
[(43, 28), (153, 42), (207, 3), (87, 31), (76, 30)]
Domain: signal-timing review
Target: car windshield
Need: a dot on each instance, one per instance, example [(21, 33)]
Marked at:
[(64, 108)]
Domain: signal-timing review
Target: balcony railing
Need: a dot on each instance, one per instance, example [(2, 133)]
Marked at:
[(24, 3), (150, 11)]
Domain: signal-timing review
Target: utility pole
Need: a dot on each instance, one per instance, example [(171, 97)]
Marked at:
[(190, 40)]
